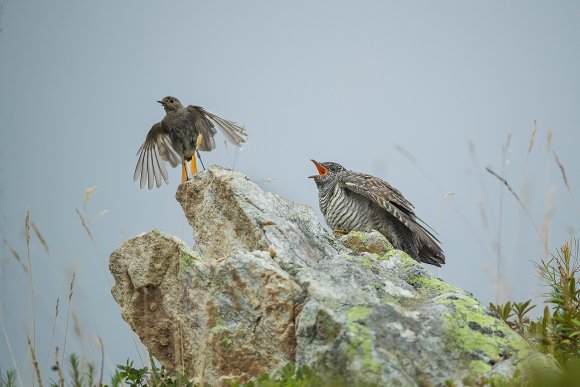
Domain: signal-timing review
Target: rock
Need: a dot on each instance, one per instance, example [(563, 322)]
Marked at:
[(265, 285)]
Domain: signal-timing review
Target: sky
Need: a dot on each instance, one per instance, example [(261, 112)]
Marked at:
[(423, 94)]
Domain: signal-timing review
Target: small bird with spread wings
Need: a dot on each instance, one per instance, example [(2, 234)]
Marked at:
[(182, 133)]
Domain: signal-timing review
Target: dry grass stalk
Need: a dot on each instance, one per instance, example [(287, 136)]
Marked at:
[(231, 160), (437, 185), (533, 137), (16, 256), (70, 294), (504, 163), (448, 195), (406, 153), (53, 326), (564, 177), (506, 146), (478, 169), (102, 360), (482, 214), (7, 340), (87, 195), (515, 195), (547, 218), (58, 369), (30, 278), (77, 325), (40, 238), (86, 227), (34, 362), (549, 139)]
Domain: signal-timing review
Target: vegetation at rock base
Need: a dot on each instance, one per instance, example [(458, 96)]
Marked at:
[(557, 332)]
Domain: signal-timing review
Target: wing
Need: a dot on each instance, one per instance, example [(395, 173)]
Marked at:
[(155, 150), (386, 196), (234, 133), (382, 193), (203, 127)]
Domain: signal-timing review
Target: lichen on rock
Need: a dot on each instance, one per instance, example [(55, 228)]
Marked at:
[(265, 285)]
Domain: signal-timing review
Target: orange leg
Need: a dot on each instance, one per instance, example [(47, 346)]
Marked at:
[(193, 166), (183, 171)]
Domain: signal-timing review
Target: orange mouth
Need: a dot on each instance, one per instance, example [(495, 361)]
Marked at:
[(321, 170)]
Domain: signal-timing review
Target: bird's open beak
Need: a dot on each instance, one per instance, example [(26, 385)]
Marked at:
[(321, 170)]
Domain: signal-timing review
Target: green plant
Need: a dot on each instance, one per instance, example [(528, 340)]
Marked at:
[(130, 376), (557, 331), (290, 377), (519, 311), (81, 375), (8, 379)]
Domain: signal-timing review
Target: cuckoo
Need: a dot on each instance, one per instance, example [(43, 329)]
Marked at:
[(177, 138), (353, 201)]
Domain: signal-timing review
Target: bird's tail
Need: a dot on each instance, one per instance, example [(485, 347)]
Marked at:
[(234, 133), (429, 249)]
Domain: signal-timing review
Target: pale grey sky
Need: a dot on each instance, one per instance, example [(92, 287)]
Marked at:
[(331, 80)]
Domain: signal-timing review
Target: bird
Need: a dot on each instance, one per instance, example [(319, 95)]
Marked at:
[(354, 201), (177, 138)]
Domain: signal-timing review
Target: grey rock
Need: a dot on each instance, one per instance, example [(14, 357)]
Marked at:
[(265, 285)]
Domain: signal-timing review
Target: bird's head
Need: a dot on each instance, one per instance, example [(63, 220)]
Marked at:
[(170, 104), (326, 172)]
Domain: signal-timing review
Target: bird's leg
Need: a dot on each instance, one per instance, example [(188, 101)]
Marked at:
[(184, 171), (198, 141), (200, 160), (193, 166)]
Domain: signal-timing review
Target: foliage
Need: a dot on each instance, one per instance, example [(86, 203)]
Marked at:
[(557, 332), (79, 374), (130, 376), (290, 377), (8, 379), (514, 314)]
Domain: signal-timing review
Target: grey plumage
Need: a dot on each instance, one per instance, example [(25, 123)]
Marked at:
[(357, 201), (175, 138)]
